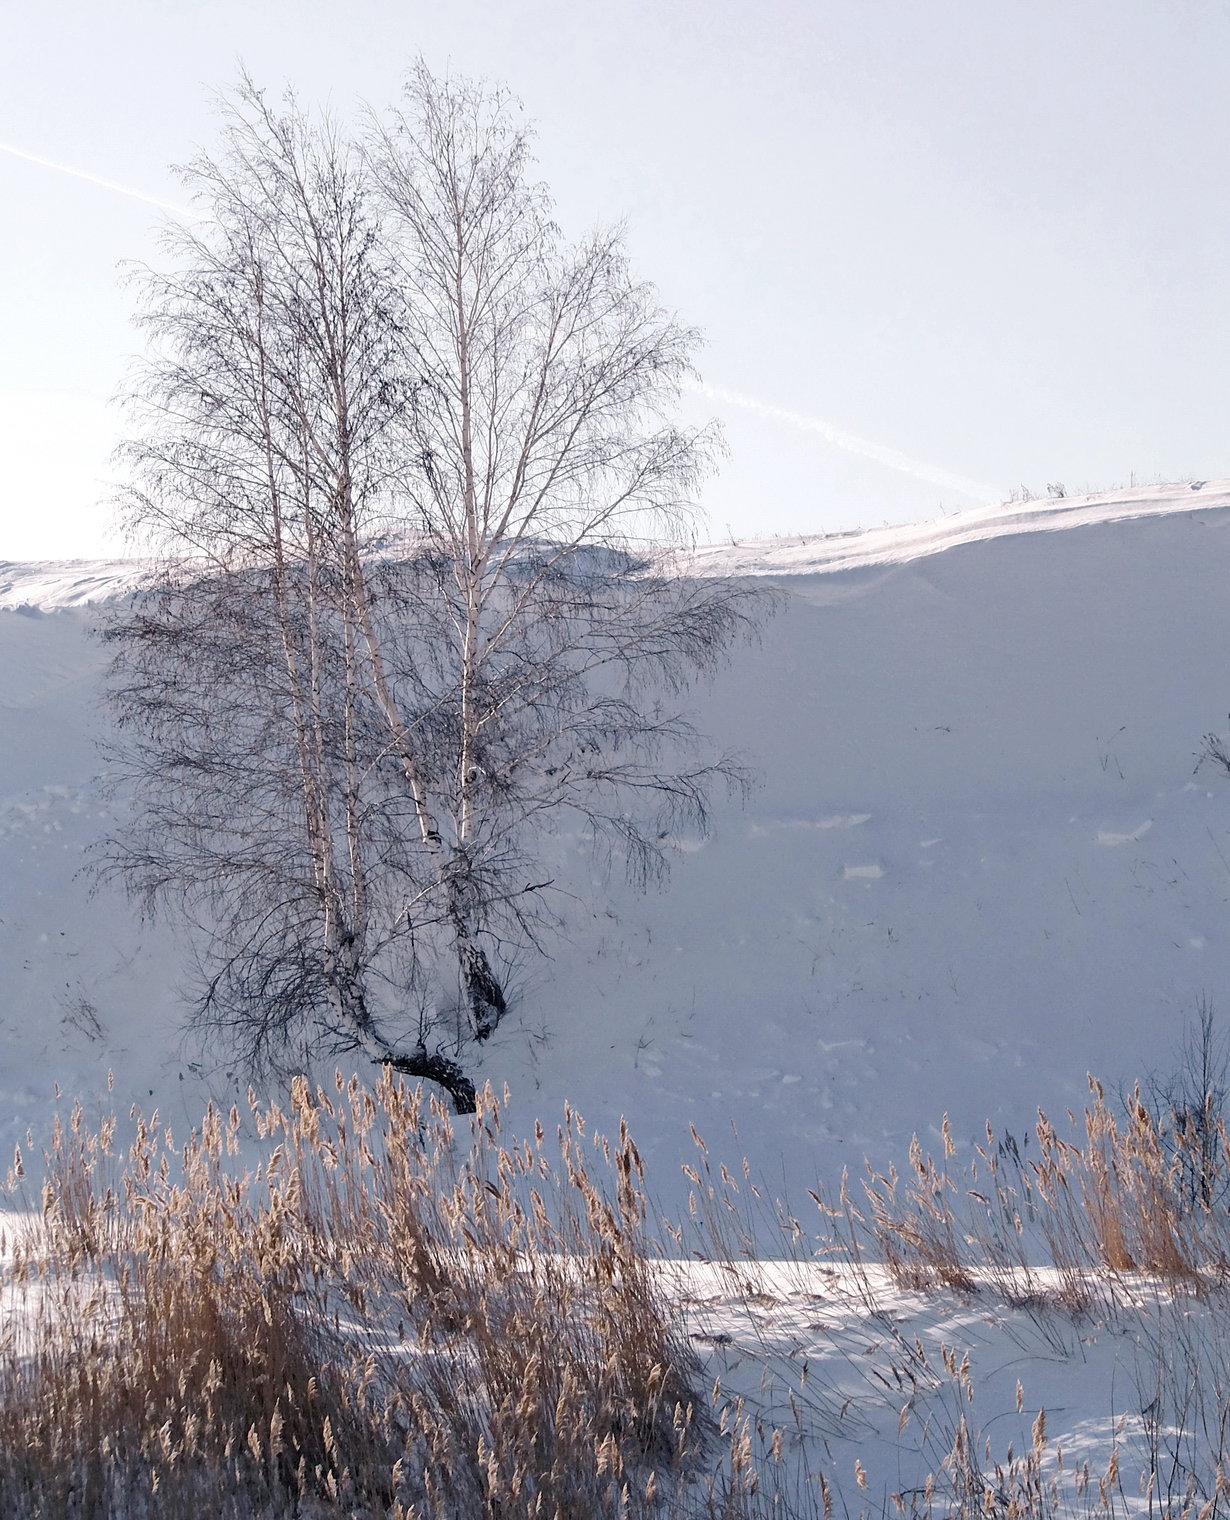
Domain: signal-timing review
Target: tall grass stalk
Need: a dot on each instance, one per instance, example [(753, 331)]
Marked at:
[(379, 1319)]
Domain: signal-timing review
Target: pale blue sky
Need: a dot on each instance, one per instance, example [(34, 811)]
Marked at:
[(983, 243)]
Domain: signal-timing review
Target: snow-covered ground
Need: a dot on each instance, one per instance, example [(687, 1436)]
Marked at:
[(871, 1387), (981, 862)]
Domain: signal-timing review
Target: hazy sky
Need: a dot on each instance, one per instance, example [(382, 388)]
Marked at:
[(939, 248)]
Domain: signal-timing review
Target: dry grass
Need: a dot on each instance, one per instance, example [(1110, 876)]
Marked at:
[(1031, 1485), (367, 1324), (1112, 1199), (1118, 1220), (387, 1318)]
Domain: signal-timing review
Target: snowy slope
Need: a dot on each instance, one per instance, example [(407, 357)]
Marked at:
[(981, 861), (897, 545), (51, 585)]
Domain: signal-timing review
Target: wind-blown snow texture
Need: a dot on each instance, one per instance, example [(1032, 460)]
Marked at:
[(982, 861)]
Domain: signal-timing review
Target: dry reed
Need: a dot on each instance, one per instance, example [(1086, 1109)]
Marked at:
[(1112, 1200), (376, 1320)]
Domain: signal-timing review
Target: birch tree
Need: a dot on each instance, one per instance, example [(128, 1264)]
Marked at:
[(404, 448)]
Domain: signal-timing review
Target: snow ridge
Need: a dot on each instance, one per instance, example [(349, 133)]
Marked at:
[(48, 585), (833, 552)]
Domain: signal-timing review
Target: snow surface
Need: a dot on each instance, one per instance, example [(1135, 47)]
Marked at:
[(858, 1374), (981, 862)]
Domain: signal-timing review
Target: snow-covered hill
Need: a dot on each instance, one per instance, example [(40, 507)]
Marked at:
[(982, 860), (862, 548)]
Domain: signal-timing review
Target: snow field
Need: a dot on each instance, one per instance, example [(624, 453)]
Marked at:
[(982, 861)]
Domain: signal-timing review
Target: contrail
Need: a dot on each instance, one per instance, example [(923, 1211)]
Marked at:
[(880, 453), (107, 184), (892, 459)]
